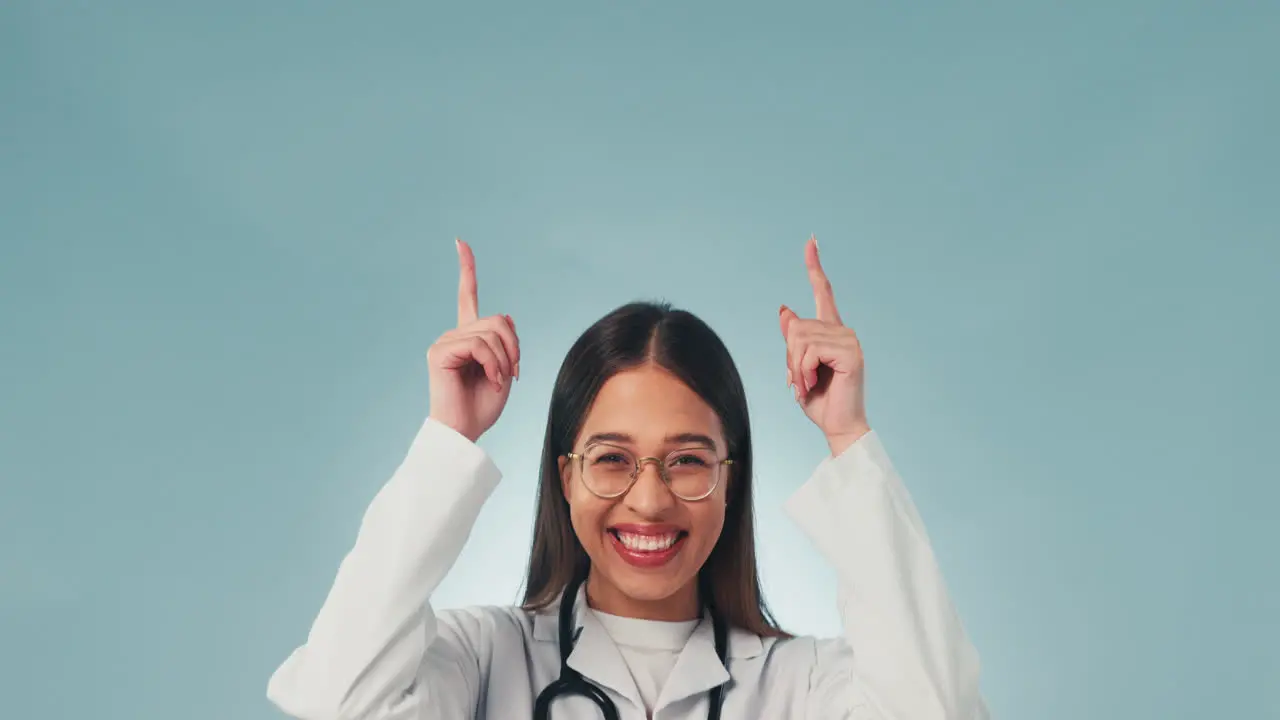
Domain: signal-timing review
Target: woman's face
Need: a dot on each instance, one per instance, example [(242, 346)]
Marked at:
[(650, 413)]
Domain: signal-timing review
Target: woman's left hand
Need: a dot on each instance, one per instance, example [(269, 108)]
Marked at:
[(824, 363)]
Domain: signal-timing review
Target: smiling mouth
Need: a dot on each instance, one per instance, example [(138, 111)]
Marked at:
[(637, 543)]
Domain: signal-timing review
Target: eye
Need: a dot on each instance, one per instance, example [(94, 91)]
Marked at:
[(610, 459), (690, 459)]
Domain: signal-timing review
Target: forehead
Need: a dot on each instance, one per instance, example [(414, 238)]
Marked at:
[(650, 405)]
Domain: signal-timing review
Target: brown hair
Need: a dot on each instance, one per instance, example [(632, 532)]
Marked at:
[(684, 345)]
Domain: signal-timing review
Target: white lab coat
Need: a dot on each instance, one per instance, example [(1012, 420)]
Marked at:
[(379, 651)]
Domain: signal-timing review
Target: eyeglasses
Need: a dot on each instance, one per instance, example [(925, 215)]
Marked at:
[(609, 471)]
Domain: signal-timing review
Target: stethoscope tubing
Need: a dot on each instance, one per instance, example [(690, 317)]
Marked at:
[(571, 682)]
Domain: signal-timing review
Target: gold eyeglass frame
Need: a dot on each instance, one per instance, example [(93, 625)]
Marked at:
[(635, 474)]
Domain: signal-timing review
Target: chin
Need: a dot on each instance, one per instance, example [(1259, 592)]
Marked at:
[(644, 587)]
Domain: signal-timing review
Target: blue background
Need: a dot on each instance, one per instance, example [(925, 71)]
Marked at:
[(227, 241)]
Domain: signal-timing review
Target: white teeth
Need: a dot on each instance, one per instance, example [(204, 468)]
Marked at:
[(647, 543)]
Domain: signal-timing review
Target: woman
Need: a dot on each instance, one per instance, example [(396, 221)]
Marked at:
[(642, 598)]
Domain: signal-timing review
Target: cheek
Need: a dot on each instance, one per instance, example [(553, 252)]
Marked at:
[(708, 520), (588, 514)]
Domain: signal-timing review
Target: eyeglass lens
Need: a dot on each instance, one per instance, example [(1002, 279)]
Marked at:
[(690, 472)]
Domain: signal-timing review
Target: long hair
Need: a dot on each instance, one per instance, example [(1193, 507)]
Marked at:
[(684, 345)]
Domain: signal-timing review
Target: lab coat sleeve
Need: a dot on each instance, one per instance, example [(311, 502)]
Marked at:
[(376, 651), (904, 654)]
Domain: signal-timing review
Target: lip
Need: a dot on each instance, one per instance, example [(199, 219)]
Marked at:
[(647, 530), (642, 559)]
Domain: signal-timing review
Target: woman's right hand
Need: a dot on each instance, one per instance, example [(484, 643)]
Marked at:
[(473, 365)]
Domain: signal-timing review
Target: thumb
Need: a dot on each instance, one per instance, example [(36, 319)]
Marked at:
[(785, 317)]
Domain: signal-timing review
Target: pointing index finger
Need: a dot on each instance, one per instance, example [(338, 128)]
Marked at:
[(824, 298), (468, 299)]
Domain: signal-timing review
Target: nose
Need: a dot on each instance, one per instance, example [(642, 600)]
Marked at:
[(650, 496)]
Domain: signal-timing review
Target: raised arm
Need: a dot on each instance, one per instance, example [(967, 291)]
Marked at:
[(904, 654), (376, 651)]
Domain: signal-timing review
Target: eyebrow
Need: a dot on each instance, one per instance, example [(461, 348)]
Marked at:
[(686, 438)]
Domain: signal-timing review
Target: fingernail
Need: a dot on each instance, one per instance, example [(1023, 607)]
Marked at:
[(814, 238), (457, 245), (517, 372)]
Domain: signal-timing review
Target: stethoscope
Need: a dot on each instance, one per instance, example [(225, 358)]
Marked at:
[(571, 681)]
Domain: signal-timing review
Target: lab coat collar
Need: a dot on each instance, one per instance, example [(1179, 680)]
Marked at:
[(595, 655), (698, 668)]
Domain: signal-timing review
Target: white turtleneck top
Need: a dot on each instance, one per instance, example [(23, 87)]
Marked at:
[(649, 648)]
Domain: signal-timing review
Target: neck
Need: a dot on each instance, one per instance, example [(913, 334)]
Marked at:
[(605, 597)]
